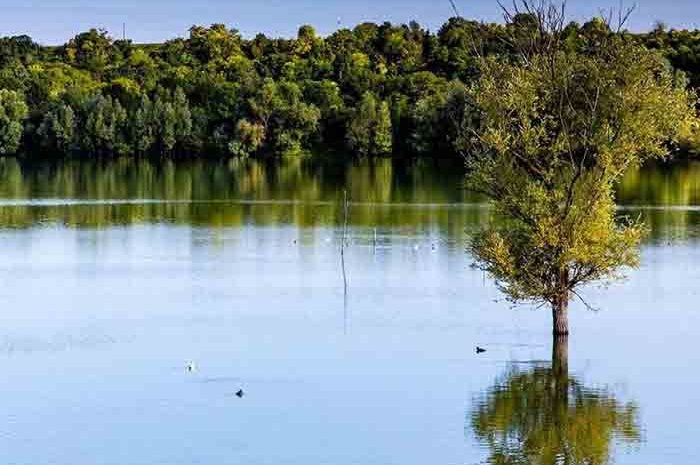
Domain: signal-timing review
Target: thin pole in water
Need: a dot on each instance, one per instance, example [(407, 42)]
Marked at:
[(342, 261)]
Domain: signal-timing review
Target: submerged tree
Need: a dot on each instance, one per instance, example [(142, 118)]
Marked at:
[(544, 416), (553, 128)]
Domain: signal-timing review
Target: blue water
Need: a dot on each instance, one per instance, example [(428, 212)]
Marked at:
[(104, 305)]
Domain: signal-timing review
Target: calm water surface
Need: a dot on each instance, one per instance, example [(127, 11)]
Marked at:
[(116, 275)]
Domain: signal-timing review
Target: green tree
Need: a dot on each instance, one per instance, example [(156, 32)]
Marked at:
[(326, 96), (555, 130), (249, 138), (142, 126), (105, 127), (165, 120), (286, 120), (382, 133), (58, 129), (439, 119), (369, 131), (306, 92), (13, 112), (182, 115), (90, 50), (215, 43)]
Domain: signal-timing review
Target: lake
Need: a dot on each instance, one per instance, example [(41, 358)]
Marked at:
[(117, 276)]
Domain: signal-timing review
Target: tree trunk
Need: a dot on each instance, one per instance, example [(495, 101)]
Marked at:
[(560, 305), (560, 382), (560, 316), (560, 357)]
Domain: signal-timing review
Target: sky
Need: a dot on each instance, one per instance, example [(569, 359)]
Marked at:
[(53, 22)]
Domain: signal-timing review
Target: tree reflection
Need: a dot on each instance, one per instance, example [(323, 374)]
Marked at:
[(421, 194), (543, 416), (238, 192)]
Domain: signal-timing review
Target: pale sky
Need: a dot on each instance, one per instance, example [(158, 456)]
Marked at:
[(55, 21)]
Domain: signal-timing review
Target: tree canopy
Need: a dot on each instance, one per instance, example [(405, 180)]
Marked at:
[(551, 132), (374, 90)]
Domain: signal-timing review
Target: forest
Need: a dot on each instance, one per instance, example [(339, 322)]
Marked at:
[(371, 91)]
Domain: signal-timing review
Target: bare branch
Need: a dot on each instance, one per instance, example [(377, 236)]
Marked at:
[(583, 301)]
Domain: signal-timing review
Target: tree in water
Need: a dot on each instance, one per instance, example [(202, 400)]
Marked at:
[(553, 127), (545, 416)]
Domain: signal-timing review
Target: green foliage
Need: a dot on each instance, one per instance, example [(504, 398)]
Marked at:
[(13, 111), (249, 138), (439, 120), (215, 93), (552, 134), (90, 50), (105, 122), (57, 131), (369, 131), (214, 44)]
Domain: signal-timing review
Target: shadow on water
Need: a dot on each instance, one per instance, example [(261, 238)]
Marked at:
[(545, 416)]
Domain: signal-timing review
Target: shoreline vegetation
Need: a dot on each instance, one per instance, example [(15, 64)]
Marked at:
[(376, 90)]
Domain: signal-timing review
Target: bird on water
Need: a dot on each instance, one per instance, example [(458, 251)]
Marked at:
[(240, 394), (479, 350)]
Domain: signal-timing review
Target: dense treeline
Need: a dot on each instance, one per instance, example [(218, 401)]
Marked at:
[(375, 90)]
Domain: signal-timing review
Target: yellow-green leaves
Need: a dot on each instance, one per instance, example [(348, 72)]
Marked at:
[(557, 131)]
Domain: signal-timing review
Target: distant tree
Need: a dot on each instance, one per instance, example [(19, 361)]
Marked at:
[(287, 121), (105, 127), (306, 38), (369, 132), (298, 93), (333, 112), (382, 133), (215, 43), (90, 50), (555, 131), (142, 126), (58, 129), (165, 120), (13, 112), (249, 138), (439, 120), (182, 115)]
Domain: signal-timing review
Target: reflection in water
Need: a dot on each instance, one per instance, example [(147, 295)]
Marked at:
[(667, 196), (235, 193), (669, 184), (544, 416), (385, 194)]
